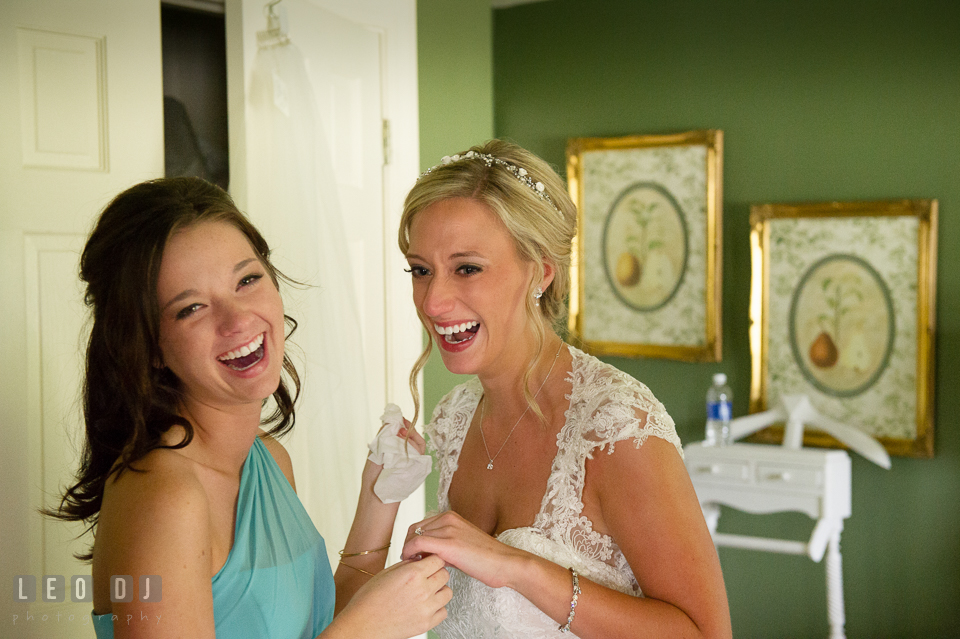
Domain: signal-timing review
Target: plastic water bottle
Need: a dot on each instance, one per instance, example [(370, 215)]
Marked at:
[(719, 412)]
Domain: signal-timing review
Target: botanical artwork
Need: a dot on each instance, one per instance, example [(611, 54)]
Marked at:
[(842, 325), (639, 228), (846, 298), (644, 265), (645, 246)]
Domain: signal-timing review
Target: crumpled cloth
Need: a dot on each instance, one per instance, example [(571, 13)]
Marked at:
[(404, 469)]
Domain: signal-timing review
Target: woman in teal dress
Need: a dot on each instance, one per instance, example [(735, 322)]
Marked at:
[(177, 479)]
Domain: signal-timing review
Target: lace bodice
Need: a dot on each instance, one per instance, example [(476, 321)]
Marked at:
[(607, 406)]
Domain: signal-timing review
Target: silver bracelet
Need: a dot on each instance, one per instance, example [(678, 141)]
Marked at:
[(573, 602)]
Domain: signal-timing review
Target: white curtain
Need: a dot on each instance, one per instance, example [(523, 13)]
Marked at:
[(293, 198)]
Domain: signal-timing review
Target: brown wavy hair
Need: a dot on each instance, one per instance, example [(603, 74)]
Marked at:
[(128, 401)]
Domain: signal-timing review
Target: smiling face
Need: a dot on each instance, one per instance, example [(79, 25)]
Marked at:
[(221, 317), (470, 286)]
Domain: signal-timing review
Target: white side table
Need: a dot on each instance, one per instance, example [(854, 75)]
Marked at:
[(764, 479)]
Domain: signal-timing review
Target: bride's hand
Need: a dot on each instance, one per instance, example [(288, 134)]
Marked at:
[(371, 471), (416, 439), (464, 546)]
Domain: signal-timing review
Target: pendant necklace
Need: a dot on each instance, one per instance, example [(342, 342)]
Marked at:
[(484, 405)]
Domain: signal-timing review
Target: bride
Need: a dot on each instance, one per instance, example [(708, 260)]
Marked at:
[(565, 504)]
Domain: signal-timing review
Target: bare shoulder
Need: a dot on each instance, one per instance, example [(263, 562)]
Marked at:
[(162, 496), (154, 521), (281, 456), (645, 474), (652, 460), (163, 479)]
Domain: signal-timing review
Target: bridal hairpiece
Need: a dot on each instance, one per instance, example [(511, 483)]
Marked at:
[(519, 172)]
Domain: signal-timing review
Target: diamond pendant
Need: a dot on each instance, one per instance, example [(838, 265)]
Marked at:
[(490, 466)]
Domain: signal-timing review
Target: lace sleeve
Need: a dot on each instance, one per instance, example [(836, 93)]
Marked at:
[(635, 420), (446, 431), (448, 420), (435, 442), (617, 407)]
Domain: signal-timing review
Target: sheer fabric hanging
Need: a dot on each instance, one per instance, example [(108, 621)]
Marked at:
[(293, 198)]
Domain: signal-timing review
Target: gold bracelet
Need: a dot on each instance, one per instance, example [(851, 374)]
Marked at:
[(357, 569), (365, 552)]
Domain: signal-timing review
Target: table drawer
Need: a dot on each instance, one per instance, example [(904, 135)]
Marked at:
[(727, 470), (793, 476)]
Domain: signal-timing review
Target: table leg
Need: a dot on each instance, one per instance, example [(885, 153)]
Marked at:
[(835, 611)]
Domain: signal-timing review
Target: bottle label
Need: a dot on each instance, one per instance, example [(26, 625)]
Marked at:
[(720, 410)]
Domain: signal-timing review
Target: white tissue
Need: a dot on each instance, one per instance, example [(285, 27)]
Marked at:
[(404, 469)]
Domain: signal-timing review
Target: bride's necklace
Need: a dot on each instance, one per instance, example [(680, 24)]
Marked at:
[(484, 405)]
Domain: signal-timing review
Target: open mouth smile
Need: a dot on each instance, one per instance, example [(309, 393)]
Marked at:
[(458, 333), (244, 357)]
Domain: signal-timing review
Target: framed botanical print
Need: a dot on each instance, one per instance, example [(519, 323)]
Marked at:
[(647, 260), (842, 310)]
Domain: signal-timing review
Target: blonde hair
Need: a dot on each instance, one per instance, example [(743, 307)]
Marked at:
[(542, 231)]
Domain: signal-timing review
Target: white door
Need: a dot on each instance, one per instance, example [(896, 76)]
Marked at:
[(360, 56), (81, 118)]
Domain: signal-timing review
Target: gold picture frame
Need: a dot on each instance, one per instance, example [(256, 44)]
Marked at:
[(646, 264), (842, 310)]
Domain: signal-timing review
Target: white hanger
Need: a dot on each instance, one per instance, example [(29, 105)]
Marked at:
[(276, 31), (797, 411)]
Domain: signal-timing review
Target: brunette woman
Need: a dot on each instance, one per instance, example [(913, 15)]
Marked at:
[(178, 479)]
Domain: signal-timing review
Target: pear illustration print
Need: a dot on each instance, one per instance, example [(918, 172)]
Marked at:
[(842, 325)]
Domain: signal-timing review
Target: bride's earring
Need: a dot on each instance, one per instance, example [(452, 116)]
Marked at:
[(537, 296)]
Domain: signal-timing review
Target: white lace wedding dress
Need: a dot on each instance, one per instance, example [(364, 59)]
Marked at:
[(604, 405)]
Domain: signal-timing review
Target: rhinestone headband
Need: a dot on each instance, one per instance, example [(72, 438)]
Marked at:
[(519, 172)]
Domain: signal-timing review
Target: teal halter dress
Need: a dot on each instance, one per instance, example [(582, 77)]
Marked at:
[(277, 580)]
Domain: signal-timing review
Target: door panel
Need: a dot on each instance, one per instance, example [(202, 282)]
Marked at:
[(80, 120), (62, 114), (54, 314)]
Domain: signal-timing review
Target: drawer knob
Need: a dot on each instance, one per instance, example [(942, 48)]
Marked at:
[(781, 476)]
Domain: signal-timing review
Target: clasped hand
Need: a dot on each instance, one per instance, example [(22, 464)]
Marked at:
[(421, 604), (465, 547)]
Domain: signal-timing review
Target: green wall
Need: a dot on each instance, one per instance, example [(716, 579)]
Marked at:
[(818, 100), (454, 47)]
